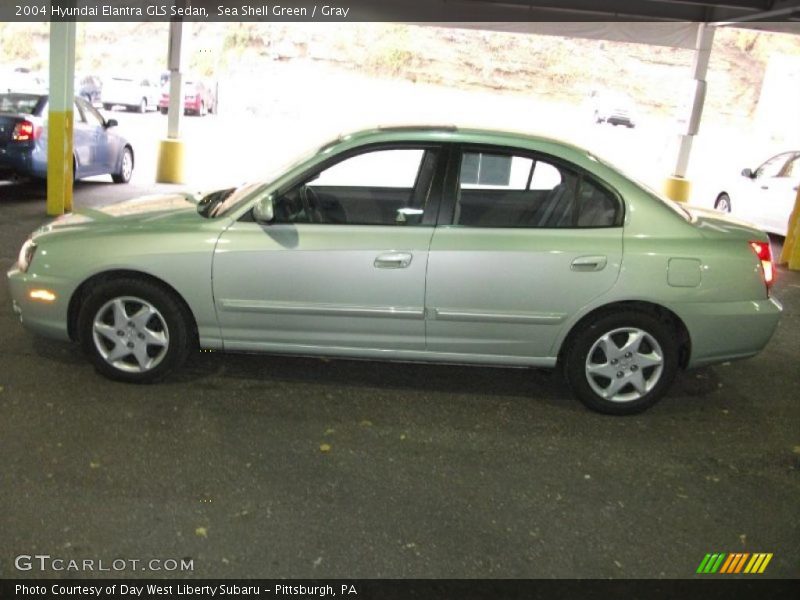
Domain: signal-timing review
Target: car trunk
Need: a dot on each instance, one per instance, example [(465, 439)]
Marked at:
[(7, 124), (713, 224)]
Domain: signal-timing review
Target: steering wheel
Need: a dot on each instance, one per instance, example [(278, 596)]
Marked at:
[(311, 204)]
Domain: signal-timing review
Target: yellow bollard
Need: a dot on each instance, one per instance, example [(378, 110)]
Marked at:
[(677, 188), (170, 161), (790, 255)]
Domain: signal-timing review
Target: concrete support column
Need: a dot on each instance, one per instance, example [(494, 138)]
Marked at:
[(171, 150), (60, 118), (677, 187)]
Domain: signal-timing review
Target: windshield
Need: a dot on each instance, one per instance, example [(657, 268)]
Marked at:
[(19, 103), (676, 207), (239, 196)]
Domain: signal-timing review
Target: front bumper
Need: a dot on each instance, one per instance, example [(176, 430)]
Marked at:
[(722, 331), (48, 319)]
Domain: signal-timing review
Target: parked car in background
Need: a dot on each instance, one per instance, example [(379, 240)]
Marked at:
[(199, 98), (22, 80), (614, 108), (97, 148), (90, 88), (134, 93), (765, 195), (412, 244)]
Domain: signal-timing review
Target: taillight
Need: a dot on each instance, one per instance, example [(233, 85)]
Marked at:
[(764, 254), (25, 131)]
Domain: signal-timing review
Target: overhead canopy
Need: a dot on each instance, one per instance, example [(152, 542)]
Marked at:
[(742, 11)]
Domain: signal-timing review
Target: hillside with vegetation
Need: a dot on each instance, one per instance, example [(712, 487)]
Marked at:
[(543, 67)]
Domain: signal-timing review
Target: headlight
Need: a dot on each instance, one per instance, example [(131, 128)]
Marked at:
[(26, 255)]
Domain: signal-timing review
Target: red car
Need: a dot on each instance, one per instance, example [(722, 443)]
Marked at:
[(198, 99)]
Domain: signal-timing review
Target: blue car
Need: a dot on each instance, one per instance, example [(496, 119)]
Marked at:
[(97, 148)]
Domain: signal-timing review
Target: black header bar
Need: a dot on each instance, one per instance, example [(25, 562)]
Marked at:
[(443, 11)]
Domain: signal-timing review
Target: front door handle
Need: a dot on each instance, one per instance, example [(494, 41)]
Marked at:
[(589, 263), (393, 260)]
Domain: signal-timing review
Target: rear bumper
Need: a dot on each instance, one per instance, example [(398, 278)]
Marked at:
[(722, 331), (22, 161)]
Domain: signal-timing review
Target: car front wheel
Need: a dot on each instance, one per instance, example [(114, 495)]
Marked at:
[(125, 167), (134, 330), (622, 363)]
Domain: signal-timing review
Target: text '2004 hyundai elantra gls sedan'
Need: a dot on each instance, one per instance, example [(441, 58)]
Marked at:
[(413, 244)]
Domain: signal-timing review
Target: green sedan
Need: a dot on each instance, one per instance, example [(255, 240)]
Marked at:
[(412, 244)]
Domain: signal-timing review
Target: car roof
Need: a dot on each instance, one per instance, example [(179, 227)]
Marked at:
[(453, 134)]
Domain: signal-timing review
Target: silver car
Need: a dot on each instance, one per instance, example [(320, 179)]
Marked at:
[(412, 244)]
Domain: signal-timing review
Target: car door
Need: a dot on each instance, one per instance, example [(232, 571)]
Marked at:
[(781, 194), (342, 264), (526, 242), (83, 143), (101, 143), (755, 201)]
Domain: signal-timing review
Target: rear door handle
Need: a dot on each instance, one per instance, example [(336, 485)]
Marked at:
[(589, 263), (393, 260)]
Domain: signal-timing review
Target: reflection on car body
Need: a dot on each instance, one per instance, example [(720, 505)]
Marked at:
[(413, 244)]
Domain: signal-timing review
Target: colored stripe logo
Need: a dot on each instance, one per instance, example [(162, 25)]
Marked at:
[(742, 562)]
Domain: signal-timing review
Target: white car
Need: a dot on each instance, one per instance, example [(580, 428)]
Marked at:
[(134, 93), (766, 195)]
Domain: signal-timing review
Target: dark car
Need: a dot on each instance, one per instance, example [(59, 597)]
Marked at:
[(97, 148), (199, 98)]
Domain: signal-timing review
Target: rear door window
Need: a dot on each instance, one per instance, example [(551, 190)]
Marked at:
[(510, 190)]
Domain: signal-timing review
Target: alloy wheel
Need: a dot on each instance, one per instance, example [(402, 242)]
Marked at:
[(624, 364), (130, 334)]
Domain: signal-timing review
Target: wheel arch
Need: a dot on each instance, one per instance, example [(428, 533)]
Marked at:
[(658, 311), (82, 291), (125, 145)]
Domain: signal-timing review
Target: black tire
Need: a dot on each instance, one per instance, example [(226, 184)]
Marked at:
[(576, 358), (164, 111), (107, 106), (124, 174), (178, 324), (723, 203), (202, 111), (142, 108)]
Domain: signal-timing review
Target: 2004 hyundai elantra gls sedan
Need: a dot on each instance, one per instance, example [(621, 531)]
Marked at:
[(412, 244)]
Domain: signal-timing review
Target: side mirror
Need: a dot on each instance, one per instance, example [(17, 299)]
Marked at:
[(111, 123), (748, 173), (263, 211)]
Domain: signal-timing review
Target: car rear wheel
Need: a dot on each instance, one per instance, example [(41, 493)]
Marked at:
[(164, 110), (125, 167), (723, 203), (622, 363), (134, 330)]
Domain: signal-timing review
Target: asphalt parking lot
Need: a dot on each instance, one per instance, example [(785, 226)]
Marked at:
[(275, 467)]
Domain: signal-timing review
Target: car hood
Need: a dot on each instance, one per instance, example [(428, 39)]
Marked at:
[(714, 224), (139, 212)]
